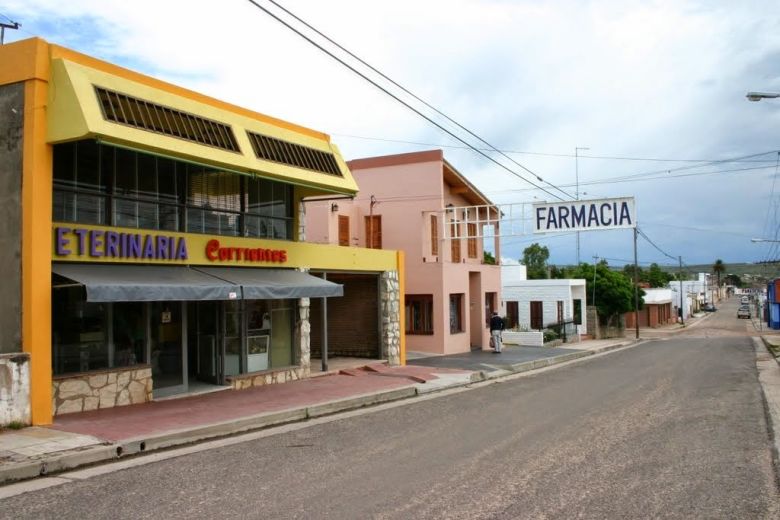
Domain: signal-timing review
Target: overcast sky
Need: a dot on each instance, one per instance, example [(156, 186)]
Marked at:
[(656, 90)]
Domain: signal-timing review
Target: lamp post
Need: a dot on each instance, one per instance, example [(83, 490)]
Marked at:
[(577, 187), (758, 96)]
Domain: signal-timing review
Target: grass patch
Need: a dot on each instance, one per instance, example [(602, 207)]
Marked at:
[(13, 425)]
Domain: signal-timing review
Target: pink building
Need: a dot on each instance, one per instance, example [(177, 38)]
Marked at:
[(417, 202)]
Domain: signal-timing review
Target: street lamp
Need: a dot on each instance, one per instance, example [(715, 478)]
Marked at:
[(758, 96)]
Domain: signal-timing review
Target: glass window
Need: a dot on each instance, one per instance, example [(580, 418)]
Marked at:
[(64, 165), (99, 184), (125, 182), (456, 313), (490, 306), (147, 176), (419, 314), (88, 172), (79, 338), (129, 330), (82, 339)]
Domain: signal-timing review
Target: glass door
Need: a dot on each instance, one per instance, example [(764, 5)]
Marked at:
[(205, 347), (233, 326), (167, 357)]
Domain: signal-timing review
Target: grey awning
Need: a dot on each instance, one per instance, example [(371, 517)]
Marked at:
[(260, 284), (132, 283)]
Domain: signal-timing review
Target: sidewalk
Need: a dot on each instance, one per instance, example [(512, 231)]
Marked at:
[(90, 437)]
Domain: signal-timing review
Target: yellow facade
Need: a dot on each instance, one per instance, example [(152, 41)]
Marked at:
[(61, 105)]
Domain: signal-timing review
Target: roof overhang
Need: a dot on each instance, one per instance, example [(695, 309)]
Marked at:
[(74, 113)]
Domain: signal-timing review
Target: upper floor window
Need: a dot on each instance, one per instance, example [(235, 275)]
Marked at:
[(374, 231), (434, 235), (101, 184)]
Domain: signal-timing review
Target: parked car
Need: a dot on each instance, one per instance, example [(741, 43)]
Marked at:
[(708, 307), (743, 312)]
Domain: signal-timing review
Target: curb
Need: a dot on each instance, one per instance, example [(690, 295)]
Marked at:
[(141, 445)]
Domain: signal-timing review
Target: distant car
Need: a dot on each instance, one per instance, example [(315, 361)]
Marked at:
[(708, 307), (743, 312), (744, 299)]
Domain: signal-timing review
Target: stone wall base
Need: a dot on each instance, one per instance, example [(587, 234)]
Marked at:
[(268, 377), (94, 391), (14, 389)]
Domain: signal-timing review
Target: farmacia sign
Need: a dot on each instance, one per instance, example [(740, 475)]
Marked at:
[(584, 215)]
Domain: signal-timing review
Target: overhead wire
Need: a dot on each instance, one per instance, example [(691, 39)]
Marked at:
[(407, 105), (415, 96), (543, 154), (644, 235), (772, 204)]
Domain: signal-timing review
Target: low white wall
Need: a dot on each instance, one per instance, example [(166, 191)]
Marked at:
[(533, 338), (14, 388)]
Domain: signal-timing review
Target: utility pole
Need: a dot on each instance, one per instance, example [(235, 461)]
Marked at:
[(636, 288), (577, 188), (682, 305), (595, 258), (4, 26)]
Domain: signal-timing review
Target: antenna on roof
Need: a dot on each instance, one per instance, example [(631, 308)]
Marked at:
[(4, 26)]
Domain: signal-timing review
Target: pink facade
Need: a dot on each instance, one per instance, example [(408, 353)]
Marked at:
[(406, 201)]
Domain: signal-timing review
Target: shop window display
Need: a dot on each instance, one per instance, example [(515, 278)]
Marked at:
[(88, 336)]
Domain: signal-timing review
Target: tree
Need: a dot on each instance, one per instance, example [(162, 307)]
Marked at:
[(488, 258), (657, 277), (535, 261), (558, 272), (628, 271), (733, 279), (614, 290), (718, 268)]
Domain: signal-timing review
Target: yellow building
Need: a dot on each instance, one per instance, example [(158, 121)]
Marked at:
[(153, 239)]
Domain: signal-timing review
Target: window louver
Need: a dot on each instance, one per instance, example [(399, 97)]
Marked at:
[(276, 150), (142, 114)]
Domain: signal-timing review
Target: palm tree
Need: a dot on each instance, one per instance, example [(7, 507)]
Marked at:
[(718, 268)]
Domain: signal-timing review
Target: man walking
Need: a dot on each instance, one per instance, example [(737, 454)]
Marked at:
[(496, 326)]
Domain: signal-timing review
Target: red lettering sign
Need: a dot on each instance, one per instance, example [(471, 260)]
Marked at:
[(217, 253)]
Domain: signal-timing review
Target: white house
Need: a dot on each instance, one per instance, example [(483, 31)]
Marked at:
[(694, 294), (536, 304)]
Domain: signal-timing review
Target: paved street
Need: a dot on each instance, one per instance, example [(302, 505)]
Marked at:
[(671, 428)]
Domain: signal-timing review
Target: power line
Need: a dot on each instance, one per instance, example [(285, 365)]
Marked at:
[(543, 154), (632, 178), (398, 99), (642, 233), (691, 228), (415, 96)]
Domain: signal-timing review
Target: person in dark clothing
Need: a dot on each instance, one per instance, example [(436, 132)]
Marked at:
[(496, 326)]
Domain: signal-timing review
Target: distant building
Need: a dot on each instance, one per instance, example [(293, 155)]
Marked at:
[(658, 309), (537, 304)]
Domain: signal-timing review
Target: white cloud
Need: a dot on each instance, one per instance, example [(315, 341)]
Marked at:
[(662, 79)]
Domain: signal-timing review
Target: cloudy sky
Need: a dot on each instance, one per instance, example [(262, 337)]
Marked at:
[(655, 90)]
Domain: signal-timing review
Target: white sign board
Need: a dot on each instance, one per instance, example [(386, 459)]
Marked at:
[(584, 215)]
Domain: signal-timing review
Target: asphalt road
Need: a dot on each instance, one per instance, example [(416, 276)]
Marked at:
[(673, 428)]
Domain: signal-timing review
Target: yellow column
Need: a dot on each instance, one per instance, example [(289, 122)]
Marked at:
[(36, 249), (402, 305)]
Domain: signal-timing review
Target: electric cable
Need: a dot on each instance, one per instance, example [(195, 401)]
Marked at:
[(407, 105), (407, 91), (543, 154)]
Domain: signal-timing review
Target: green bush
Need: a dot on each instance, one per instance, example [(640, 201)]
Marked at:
[(550, 335)]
